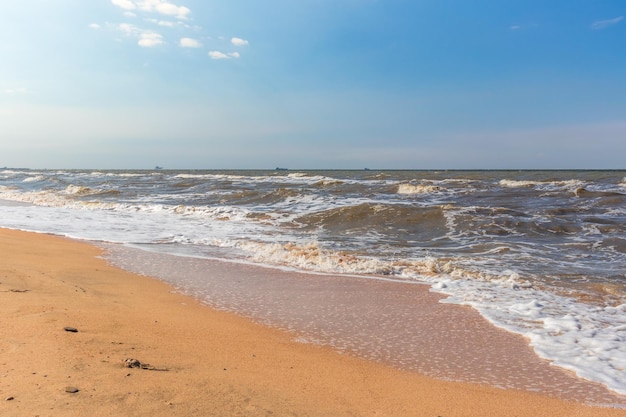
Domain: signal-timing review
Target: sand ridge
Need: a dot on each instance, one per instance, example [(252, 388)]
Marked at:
[(216, 363)]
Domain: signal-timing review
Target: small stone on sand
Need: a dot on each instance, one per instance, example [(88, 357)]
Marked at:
[(132, 363), (71, 390), (70, 329)]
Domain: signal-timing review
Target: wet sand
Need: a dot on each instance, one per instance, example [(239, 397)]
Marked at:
[(217, 363), (398, 323)]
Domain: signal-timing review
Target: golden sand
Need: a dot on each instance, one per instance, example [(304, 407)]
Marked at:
[(202, 362)]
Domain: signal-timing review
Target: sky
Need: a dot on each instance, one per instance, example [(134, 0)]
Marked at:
[(313, 84)]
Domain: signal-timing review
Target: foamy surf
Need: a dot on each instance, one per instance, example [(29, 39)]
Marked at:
[(529, 250)]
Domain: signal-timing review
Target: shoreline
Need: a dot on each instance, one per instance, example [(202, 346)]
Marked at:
[(400, 324), (218, 363)]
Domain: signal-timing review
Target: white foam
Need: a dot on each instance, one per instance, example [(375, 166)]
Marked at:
[(586, 339), (78, 190), (517, 183), (417, 189), (34, 178), (568, 185), (292, 178)]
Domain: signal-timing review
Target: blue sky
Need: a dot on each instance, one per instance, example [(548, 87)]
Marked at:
[(424, 84)]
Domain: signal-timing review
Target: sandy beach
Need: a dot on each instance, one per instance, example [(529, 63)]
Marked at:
[(69, 321)]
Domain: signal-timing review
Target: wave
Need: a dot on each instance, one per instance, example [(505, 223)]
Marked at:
[(328, 183), (209, 176), (417, 189), (583, 192), (11, 172), (252, 178), (419, 221), (78, 190), (518, 183), (83, 191), (35, 178), (125, 175), (543, 185), (259, 197)]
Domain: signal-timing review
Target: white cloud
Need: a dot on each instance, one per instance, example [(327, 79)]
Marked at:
[(229, 55), (603, 24), (130, 14), (189, 43), (165, 23), (239, 42), (150, 39), (515, 27), (164, 7), (154, 6), (222, 55), (128, 29), (124, 4), (95, 26), (169, 9), (218, 55), (147, 39)]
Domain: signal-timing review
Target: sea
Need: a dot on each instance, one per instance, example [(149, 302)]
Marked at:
[(541, 254)]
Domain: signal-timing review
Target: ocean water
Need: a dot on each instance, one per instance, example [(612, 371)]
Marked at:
[(538, 253)]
